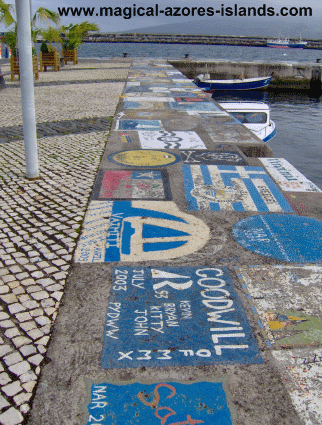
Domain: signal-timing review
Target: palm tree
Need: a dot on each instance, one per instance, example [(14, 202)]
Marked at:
[(44, 15), (73, 35), (50, 35), (7, 16)]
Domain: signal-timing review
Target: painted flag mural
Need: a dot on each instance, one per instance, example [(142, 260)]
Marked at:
[(232, 188)]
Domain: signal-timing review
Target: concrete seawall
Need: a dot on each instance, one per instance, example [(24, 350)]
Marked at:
[(294, 76)]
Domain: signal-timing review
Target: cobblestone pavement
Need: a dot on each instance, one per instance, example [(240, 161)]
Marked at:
[(75, 99), (40, 219)]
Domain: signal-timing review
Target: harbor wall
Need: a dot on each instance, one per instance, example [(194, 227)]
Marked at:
[(287, 77), (231, 69)]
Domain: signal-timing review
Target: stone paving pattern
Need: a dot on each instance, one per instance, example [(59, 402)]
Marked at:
[(40, 219)]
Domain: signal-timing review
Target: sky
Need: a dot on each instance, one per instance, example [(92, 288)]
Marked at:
[(307, 26)]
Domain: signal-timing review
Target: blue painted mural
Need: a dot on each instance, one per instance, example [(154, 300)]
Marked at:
[(283, 237), (175, 316), (234, 188), (163, 403), (138, 231), (193, 106), (138, 125)]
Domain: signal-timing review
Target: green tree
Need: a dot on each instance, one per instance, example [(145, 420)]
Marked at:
[(7, 16), (73, 35), (50, 35)]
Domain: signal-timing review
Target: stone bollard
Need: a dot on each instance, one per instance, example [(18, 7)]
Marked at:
[(315, 83)]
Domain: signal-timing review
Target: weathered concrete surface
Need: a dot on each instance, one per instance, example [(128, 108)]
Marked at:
[(256, 393), (191, 235)]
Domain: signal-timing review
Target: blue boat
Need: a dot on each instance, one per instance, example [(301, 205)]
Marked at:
[(236, 84)]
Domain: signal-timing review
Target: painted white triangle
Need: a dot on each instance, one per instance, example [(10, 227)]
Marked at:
[(158, 274)]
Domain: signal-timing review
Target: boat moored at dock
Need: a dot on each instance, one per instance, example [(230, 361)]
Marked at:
[(254, 115), (254, 83)]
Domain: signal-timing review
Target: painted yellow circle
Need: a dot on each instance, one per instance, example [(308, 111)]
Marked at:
[(146, 158)]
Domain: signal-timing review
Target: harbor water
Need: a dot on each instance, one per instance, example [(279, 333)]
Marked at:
[(298, 118)]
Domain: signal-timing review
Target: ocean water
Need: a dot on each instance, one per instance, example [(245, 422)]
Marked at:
[(152, 50), (298, 119)]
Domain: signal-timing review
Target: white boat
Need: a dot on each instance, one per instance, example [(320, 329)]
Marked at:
[(286, 43), (253, 115)]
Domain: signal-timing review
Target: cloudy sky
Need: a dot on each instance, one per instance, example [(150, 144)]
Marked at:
[(208, 25)]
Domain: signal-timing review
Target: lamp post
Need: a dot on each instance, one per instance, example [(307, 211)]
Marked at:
[(27, 87)]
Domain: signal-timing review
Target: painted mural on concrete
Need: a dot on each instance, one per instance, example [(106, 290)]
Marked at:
[(190, 98), (176, 316), (144, 158), (301, 373), (193, 106), (140, 104), (170, 140), (146, 98), (288, 302), (147, 125), (132, 184), (234, 188), (217, 157), (287, 176), (283, 237), (123, 137), (138, 231), (165, 403)]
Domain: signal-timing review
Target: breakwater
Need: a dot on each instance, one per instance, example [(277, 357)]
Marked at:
[(188, 39)]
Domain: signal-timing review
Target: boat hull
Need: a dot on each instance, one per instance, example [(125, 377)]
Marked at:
[(247, 84)]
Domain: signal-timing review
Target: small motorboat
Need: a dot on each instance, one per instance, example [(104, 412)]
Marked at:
[(241, 83), (254, 115)]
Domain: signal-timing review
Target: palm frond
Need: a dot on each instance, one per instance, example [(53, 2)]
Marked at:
[(6, 13), (45, 15)]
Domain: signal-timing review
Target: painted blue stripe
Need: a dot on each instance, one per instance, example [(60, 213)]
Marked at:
[(255, 195), (238, 206), (227, 167), (253, 309), (192, 203), (251, 168), (226, 178), (162, 246), (277, 194), (268, 343), (206, 175), (270, 136), (248, 296), (260, 324), (214, 206)]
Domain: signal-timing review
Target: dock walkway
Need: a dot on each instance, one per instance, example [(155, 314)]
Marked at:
[(183, 260)]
